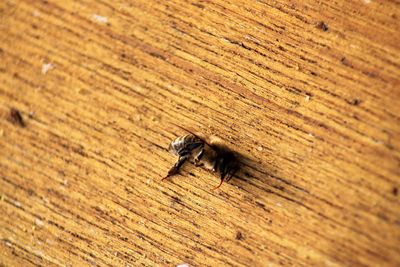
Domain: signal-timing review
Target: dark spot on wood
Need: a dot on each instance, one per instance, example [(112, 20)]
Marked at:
[(293, 90), (176, 199), (296, 103), (192, 174), (239, 235), (395, 191), (354, 102), (279, 187), (198, 5), (30, 192), (281, 48), (383, 216), (157, 55), (198, 249), (129, 191), (389, 146), (344, 61), (15, 117), (371, 74), (322, 26), (261, 205)]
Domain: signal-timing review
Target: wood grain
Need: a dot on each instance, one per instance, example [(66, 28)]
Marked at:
[(308, 92)]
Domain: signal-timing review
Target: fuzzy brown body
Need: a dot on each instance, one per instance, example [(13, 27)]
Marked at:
[(209, 153), (208, 159)]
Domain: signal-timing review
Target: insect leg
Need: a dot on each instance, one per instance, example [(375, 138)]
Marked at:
[(175, 169), (222, 180), (223, 175), (198, 157), (232, 172)]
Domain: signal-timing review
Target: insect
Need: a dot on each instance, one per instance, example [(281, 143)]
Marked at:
[(209, 153)]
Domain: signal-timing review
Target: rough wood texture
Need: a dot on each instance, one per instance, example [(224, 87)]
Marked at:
[(308, 92)]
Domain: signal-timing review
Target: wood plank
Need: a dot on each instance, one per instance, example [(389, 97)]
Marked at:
[(307, 92)]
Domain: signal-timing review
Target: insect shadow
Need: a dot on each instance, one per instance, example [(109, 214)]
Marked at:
[(260, 174)]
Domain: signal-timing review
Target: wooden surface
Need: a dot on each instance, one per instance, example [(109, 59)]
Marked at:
[(308, 92)]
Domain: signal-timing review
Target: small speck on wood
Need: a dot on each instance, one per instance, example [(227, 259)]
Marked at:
[(395, 191), (354, 102), (239, 235), (261, 205), (176, 199), (15, 117), (322, 26), (345, 61), (198, 5)]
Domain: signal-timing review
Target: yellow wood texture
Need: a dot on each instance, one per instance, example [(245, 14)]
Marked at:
[(307, 92)]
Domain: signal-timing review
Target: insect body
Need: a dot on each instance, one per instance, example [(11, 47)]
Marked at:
[(185, 147), (210, 154)]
